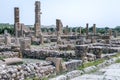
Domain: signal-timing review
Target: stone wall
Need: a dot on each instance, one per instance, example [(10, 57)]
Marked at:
[(8, 54), (66, 47), (72, 65), (43, 54), (5, 48), (1, 40), (21, 72)]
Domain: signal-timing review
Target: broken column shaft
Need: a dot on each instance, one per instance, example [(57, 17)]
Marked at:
[(37, 25), (59, 30), (94, 29), (17, 25)]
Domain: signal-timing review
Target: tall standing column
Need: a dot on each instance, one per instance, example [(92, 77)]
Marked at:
[(59, 30), (16, 21), (66, 30), (80, 30), (94, 29), (22, 29), (37, 25), (110, 32), (115, 34), (70, 31), (87, 29)]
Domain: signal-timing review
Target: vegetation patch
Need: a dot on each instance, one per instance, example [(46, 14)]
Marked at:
[(93, 63), (116, 55), (117, 61)]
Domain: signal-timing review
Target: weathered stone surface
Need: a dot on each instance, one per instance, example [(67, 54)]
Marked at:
[(69, 75), (44, 53), (81, 51), (110, 32), (17, 25), (15, 48), (10, 61), (41, 39), (21, 72), (37, 25), (80, 30), (57, 62), (94, 29), (87, 30), (25, 44), (72, 65), (9, 54), (90, 69), (59, 30), (73, 74), (66, 31), (91, 57), (7, 38)]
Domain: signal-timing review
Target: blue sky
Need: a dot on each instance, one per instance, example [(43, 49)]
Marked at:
[(71, 12)]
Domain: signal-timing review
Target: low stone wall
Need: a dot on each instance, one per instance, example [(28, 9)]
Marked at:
[(43, 54), (5, 48), (21, 72), (89, 69), (2, 40), (66, 47), (72, 65), (73, 74), (117, 41), (104, 49), (9, 54)]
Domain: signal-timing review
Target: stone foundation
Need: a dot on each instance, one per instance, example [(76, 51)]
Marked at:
[(72, 65), (21, 72), (43, 54)]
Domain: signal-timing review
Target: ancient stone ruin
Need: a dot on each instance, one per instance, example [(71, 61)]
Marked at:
[(37, 25), (44, 52)]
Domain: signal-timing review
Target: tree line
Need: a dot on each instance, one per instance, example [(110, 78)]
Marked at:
[(10, 29)]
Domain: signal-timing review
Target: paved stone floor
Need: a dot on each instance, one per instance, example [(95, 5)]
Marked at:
[(111, 72)]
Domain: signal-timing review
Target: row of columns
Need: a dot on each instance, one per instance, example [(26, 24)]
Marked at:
[(37, 26)]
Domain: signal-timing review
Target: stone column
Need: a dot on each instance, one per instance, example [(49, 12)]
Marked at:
[(16, 21), (115, 34), (7, 39), (80, 30), (110, 32), (41, 39), (22, 30), (87, 29), (76, 31), (59, 30), (37, 25), (66, 30), (94, 29), (70, 31)]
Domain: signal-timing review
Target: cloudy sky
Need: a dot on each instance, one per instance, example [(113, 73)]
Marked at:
[(72, 12)]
